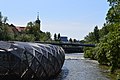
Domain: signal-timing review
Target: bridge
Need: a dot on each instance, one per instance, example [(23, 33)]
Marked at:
[(70, 47), (73, 44), (68, 44)]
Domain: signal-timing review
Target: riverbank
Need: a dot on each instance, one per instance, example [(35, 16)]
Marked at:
[(114, 76)]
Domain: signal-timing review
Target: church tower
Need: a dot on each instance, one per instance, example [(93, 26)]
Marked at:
[(38, 21)]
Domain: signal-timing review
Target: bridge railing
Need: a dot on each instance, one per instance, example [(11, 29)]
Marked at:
[(68, 43)]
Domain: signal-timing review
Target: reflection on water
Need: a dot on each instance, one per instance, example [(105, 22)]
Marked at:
[(78, 68)]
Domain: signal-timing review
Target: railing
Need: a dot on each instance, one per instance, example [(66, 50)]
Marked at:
[(68, 44)]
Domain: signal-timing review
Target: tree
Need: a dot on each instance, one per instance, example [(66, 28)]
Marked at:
[(96, 34), (48, 34), (101, 51), (5, 20), (108, 39), (1, 27), (32, 28), (113, 15), (74, 40), (59, 37), (55, 37), (104, 31), (25, 38), (90, 38), (108, 50), (4, 29), (113, 2), (45, 36), (1, 17), (70, 40)]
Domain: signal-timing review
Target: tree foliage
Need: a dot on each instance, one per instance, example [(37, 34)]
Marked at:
[(107, 50), (55, 37), (93, 37), (4, 29), (59, 37), (32, 32), (96, 34)]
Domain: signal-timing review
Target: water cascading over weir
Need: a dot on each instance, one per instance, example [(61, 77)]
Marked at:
[(25, 60)]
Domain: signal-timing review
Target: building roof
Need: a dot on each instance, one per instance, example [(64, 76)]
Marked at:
[(19, 28)]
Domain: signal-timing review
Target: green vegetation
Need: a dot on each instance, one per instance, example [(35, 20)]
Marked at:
[(31, 33), (57, 37), (4, 28), (107, 39)]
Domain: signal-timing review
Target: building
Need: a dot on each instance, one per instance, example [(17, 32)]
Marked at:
[(64, 39), (20, 29), (37, 22)]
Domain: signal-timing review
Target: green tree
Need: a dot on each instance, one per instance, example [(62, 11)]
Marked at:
[(45, 36), (55, 37), (1, 17), (104, 31), (113, 2), (96, 34), (113, 15), (108, 50), (5, 20), (25, 38), (74, 40), (108, 39), (59, 37), (1, 27), (32, 28), (102, 50), (4, 29), (70, 40), (29, 28), (90, 38), (48, 34)]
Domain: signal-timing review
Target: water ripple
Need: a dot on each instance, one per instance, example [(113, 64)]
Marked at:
[(78, 68)]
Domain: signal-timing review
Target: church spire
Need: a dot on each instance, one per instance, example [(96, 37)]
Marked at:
[(38, 20), (37, 15)]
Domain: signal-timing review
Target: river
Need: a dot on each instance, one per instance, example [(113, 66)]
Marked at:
[(77, 68)]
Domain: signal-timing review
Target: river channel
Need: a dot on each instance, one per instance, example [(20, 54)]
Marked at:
[(77, 68)]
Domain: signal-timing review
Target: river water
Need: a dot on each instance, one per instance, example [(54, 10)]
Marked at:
[(77, 68)]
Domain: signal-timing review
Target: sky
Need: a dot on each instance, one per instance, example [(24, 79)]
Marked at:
[(71, 18)]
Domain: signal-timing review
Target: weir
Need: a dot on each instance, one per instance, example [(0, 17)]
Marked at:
[(25, 60)]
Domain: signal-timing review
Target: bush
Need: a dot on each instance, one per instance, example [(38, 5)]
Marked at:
[(25, 38), (89, 53)]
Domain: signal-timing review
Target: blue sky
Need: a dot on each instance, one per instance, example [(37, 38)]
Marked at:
[(72, 18)]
